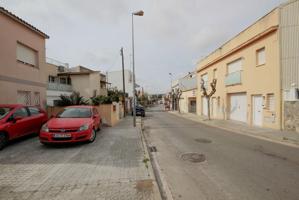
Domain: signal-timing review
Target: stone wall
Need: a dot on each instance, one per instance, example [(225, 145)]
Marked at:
[(291, 115)]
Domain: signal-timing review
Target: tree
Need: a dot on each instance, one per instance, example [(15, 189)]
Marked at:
[(73, 99), (205, 93), (176, 95)]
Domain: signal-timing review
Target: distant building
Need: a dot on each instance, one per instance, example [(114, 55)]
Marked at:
[(116, 80), (257, 73), (57, 85), (188, 87), (88, 82), (22, 61)]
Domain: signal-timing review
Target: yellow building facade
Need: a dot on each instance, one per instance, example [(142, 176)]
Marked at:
[(247, 69)]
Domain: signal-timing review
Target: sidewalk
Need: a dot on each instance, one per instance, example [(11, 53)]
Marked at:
[(282, 137), (113, 167)]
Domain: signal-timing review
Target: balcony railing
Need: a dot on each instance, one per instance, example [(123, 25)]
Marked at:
[(233, 78), (59, 87)]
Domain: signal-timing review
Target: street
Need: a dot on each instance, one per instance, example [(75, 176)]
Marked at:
[(231, 166), (109, 168)]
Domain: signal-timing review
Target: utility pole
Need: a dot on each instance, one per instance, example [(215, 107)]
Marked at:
[(124, 86)]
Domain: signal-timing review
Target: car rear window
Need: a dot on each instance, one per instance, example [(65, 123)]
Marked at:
[(4, 111), (75, 113)]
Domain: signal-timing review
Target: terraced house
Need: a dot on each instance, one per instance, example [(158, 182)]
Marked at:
[(22, 61), (257, 72)]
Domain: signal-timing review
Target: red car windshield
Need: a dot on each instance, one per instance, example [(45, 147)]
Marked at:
[(4, 111), (75, 113)]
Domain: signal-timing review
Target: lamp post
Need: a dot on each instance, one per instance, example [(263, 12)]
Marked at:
[(138, 13), (171, 92)]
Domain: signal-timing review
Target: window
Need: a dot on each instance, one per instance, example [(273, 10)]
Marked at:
[(22, 112), (27, 55), (63, 80), (24, 97), (51, 79), (234, 66), (271, 102), (4, 111), (75, 113), (34, 110), (215, 74), (205, 80), (261, 56), (36, 99)]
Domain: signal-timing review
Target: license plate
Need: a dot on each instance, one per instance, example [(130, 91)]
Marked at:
[(64, 135)]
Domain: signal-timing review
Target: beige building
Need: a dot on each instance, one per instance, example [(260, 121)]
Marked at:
[(22, 61), (57, 85), (86, 81), (250, 69), (188, 88)]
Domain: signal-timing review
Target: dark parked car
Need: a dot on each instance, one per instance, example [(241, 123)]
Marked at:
[(139, 111), (19, 120)]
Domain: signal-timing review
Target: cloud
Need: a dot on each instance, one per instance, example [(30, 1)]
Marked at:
[(171, 37)]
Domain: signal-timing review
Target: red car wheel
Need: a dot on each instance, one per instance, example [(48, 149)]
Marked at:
[(3, 140), (93, 136)]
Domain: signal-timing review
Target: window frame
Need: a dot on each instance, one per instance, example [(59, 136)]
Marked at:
[(257, 56), (30, 48)]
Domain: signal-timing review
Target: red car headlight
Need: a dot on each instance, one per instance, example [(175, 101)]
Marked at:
[(45, 128)]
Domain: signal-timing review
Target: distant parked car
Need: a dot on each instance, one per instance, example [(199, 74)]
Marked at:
[(73, 124), (18, 120), (139, 111)]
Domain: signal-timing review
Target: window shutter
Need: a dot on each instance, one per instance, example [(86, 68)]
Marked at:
[(26, 55), (261, 56), (234, 66)]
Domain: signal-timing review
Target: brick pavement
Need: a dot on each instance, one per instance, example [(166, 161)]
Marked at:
[(109, 168)]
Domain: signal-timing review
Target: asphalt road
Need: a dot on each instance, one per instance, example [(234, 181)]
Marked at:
[(236, 166)]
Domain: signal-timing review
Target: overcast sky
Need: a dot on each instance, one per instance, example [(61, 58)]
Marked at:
[(171, 37)]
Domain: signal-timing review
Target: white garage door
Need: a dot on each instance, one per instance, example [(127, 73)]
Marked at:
[(238, 107)]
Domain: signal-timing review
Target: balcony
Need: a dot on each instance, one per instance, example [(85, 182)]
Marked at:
[(60, 87), (233, 78)]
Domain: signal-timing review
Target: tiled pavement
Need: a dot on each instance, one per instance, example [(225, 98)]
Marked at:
[(109, 168)]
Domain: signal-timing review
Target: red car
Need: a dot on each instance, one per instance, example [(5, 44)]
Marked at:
[(73, 124), (18, 120)]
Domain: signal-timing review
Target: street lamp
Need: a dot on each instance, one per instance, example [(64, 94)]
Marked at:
[(138, 13), (171, 92)]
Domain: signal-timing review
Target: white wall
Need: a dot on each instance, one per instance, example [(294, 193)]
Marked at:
[(116, 80)]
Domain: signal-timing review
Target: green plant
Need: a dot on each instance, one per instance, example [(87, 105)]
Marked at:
[(73, 99), (113, 96)]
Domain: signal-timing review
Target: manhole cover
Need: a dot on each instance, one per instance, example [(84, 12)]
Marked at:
[(203, 140), (193, 157)]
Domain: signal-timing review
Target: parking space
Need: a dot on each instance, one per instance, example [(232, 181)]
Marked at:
[(109, 168)]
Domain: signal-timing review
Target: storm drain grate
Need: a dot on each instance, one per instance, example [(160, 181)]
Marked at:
[(153, 149), (193, 157), (203, 140)]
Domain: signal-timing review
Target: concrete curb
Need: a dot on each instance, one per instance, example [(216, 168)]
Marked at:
[(237, 132), (164, 191), (156, 188)]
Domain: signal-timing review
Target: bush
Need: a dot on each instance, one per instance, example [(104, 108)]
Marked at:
[(73, 99)]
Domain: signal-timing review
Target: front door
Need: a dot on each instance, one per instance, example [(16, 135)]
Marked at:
[(204, 106), (257, 110)]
